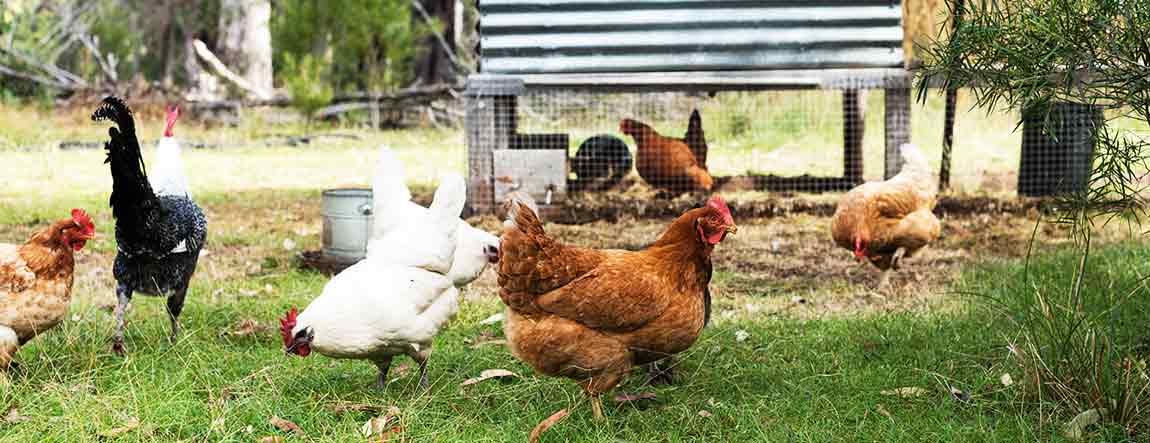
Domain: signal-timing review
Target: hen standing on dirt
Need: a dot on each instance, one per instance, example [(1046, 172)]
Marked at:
[(158, 236)]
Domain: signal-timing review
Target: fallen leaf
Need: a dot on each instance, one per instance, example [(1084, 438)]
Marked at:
[(1076, 428), (882, 410), (493, 319), (381, 425), (486, 375), (705, 413), (244, 327), (741, 336), (906, 392), (128, 426), (401, 370), (272, 439), (289, 244), (546, 424), (286, 426), (622, 398), (218, 424), (486, 338), (15, 417), (1006, 380), (345, 407)]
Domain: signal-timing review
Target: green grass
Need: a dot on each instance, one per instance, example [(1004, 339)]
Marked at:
[(793, 377)]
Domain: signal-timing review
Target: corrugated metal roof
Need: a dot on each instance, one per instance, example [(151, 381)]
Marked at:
[(604, 36)]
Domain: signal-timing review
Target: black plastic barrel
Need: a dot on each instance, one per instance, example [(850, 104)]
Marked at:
[(1057, 153)]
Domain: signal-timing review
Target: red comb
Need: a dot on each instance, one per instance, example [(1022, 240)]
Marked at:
[(286, 325), (82, 218), (717, 202), (173, 114)]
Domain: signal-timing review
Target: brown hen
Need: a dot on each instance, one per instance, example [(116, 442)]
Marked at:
[(590, 315), (887, 221), (671, 164), (36, 281)]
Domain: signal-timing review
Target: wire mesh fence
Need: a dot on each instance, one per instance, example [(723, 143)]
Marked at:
[(565, 144)]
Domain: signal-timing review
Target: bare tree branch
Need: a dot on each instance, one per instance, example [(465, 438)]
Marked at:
[(223, 71)]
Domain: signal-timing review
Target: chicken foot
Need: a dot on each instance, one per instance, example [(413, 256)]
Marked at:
[(123, 297), (661, 375), (384, 365)]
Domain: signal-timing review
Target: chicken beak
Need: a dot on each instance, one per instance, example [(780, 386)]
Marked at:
[(732, 229)]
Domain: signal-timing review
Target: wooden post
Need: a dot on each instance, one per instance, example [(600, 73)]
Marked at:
[(854, 125), (490, 122), (897, 125)]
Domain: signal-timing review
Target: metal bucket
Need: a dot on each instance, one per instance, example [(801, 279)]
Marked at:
[(347, 217)]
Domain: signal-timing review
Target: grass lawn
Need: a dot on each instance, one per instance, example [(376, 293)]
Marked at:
[(799, 350)]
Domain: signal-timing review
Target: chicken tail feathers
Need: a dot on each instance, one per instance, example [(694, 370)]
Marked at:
[(389, 191), (522, 213), (695, 139), (131, 192)]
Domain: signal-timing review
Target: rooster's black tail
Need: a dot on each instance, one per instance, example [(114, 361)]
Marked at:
[(132, 196)]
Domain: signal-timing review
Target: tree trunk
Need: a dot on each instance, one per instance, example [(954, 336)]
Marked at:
[(245, 41), (433, 63)]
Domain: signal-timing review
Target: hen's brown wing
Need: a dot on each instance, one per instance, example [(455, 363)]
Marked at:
[(623, 293), (532, 263)]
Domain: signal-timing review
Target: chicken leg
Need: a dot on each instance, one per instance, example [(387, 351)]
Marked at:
[(9, 344), (421, 357), (658, 374), (175, 306), (384, 365), (894, 259), (596, 407), (123, 297)]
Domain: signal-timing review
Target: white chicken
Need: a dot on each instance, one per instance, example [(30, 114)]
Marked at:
[(476, 248), (394, 301)]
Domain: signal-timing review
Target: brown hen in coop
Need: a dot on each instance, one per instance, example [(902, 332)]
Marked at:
[(671, 164)]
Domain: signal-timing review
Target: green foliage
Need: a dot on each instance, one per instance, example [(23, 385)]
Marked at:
[(370, 44), (1028, 54), (305, 80)]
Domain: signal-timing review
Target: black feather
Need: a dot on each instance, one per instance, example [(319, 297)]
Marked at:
[(149, 228)]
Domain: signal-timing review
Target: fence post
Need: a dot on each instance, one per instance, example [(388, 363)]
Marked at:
[(490, 121), (854, 126), (897, 126)]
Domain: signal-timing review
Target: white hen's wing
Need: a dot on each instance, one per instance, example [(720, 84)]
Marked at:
[(371, 307)]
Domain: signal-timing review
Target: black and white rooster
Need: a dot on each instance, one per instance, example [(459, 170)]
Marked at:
[(158, 233)]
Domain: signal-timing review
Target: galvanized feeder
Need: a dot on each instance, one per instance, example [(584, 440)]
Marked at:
[(347, 219)]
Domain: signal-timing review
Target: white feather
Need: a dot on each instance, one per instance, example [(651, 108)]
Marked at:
[(393, 205), (167, 173)]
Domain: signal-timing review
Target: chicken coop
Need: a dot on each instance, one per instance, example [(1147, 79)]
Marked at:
[(594, 96)]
